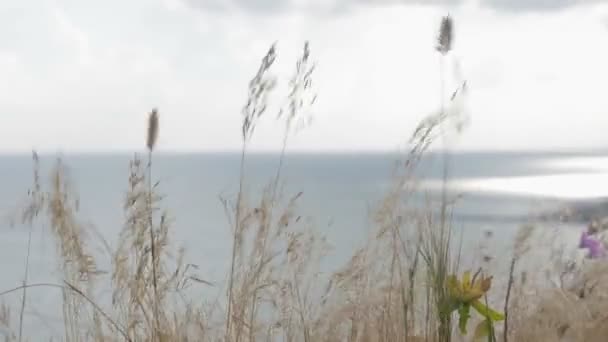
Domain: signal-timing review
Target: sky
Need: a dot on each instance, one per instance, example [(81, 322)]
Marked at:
[(81, 75)]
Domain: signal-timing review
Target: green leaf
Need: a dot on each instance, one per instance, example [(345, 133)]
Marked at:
[(482, 330), (486, 312), (463, 315)]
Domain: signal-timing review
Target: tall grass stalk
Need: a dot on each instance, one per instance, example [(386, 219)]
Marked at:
[(152, 136), (259, 88), (25, 280), (32, 210), (441, 252), (299, 98)]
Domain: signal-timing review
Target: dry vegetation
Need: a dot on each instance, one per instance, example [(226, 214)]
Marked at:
[(405, 284)]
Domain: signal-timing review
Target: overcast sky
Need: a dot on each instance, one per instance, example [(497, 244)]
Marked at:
[(82, 75)]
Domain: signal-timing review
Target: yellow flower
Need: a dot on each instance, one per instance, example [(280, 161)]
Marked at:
[(468, 290), (466, 293)]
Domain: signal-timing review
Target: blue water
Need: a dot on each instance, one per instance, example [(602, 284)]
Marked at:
[(338, 192), (338, 189)]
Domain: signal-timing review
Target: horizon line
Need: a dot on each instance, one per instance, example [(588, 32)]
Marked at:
[(394, 151)]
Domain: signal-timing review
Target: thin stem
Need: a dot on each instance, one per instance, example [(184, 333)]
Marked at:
[(25, 278), (252, 316), (390, 289), (410, 300), (301, 311), (443, 214), (444, 141), (237, 227), (3, 293), (489, 322), (427, 334), (152, 245), (281, 161), (72, 288), (509, 287), (443, 255), (96, 307), (273, 200)]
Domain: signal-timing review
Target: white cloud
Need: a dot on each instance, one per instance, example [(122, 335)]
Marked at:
[(77, 77)]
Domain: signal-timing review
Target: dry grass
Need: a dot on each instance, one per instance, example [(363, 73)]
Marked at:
[(393, 288)]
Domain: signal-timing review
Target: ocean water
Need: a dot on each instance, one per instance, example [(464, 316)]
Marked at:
[(497, 192)]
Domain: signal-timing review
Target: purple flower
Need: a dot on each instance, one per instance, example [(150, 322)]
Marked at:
[(595, 247)]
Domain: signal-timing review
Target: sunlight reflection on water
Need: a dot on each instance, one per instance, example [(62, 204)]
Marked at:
[(588, 184)]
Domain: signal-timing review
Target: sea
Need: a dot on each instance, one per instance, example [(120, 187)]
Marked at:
[(495, 192)]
